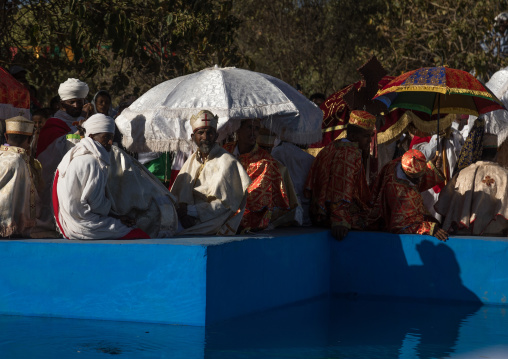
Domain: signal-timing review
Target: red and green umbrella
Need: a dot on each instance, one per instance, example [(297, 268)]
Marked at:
[(435, 90)]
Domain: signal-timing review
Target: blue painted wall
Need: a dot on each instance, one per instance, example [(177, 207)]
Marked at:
[(261, 273), (469, 269), (83, 279), (204, 280)]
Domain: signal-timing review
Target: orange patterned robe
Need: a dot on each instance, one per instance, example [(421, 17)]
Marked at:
[(267, 197), (338, 186), (398, 205)]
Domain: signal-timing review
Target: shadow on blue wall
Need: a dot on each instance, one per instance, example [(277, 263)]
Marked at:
[(384, 264)]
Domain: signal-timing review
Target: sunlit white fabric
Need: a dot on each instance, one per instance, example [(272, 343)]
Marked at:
[(159, 120)]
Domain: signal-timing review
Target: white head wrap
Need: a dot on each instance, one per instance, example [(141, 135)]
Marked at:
[(99, 123), (72, 88), (501, 17)]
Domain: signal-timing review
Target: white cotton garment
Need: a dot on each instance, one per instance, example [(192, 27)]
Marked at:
[(83, 206), (298, 163), (216, 190)]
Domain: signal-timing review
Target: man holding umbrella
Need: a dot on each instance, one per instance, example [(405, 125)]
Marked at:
[(397, 201), (211, 187)]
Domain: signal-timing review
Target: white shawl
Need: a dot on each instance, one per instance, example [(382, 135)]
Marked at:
[(83, 206), (216, 190)]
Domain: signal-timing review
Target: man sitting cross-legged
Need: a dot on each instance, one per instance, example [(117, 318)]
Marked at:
[(211, 186)]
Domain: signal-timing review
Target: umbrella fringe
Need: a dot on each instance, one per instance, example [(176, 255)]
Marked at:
[(428, 127), (167, 145)]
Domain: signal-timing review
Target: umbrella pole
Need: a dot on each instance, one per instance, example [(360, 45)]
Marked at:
[(440, 147), (438, 114)]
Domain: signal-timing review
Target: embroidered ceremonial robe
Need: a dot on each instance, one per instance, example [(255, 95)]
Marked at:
[(474, 202), (398, 204), (267, 195), (18, 195), (51, 148), (338, 186), (79, 190), (216, 189)]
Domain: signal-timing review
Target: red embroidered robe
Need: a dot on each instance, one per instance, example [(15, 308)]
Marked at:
[(398, 205), (267, 197), (338, 186)]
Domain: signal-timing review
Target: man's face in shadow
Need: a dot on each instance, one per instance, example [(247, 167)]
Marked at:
[(205, 138), (73, 107)]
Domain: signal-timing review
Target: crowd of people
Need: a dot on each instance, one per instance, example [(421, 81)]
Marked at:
[(65, 173)]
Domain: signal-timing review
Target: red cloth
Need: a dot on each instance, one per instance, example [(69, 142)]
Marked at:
[(416, 140), (53, 129), (172, 179), (267, 197), (338, 186), (12, 91), (398, 206), (136, 233)]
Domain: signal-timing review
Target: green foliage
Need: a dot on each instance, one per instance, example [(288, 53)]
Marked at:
[(432, 33), (121, 45), (128, 46)]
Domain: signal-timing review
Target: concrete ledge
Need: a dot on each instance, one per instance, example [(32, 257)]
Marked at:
[(191, 281), (203, 280)]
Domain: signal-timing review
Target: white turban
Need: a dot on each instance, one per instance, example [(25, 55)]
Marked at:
[(72, 88), (99, 123)]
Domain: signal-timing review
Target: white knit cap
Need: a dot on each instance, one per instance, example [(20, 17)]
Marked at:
[(99, 123), (72, 88)]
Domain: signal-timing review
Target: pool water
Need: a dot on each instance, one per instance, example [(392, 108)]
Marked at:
[(325, 328)]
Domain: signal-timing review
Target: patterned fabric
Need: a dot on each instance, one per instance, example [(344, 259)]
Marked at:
[(14, 97), (413, 162), (397, 203), (363, 119), (475, 202), (459, 92), (473, 145), (18, 195), (336, 113), (338, 186), (267, 197)]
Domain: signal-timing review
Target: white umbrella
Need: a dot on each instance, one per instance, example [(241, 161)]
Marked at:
[(159, 120), (496, 122)]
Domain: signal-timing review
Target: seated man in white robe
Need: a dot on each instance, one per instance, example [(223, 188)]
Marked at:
[(53, 145), (18, 194), (211, 186), (474, 202), (82, 210)]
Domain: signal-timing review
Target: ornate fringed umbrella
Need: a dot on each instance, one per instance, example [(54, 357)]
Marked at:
[(159, 120), (438, 90)]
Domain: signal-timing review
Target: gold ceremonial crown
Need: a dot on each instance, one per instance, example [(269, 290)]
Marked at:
[(362, 119), (204, 118)]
